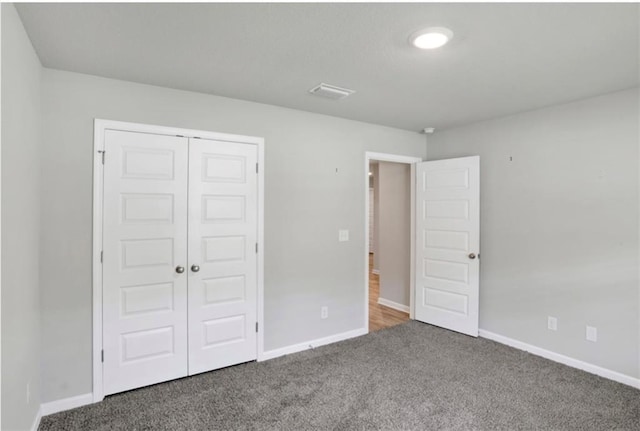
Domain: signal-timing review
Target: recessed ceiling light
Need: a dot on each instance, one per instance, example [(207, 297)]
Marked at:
[(431, 38)]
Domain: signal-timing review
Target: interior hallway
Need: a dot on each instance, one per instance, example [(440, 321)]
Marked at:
[(381, 317)]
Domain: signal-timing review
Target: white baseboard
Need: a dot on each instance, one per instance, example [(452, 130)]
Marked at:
[(82, 400), (566, 360), (312, 344), (375, 271), (36, 420), (66, 404), (394, 305)]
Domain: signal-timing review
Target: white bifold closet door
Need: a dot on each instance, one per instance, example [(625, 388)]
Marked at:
[(179, 266), (144, 240), (223, 185)]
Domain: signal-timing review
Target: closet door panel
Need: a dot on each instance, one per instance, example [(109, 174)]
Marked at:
[(144, 240), (222, 254)]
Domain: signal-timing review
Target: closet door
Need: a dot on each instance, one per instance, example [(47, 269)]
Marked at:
[(144, 246), (222, 254)]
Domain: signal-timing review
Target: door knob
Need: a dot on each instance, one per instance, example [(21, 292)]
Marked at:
[(195, 268), (179, 269), (472, 256)]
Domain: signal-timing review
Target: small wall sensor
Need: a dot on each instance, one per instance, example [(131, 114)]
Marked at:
[(428, 130)]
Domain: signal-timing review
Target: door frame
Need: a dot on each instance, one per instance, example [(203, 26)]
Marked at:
[(99, 128), (396, 158)]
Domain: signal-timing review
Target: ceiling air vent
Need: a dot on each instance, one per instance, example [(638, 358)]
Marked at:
[(331, 91)]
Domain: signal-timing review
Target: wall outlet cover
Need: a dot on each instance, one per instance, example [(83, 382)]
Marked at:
[(552, 323), (592, 334)]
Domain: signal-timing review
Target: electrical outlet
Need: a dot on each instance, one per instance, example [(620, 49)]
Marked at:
[(552, 323), (324, 312), (28, 392), (592, 333), (343, 235)]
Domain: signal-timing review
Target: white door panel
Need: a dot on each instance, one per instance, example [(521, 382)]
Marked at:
[(144, 239), (176, 202), (447, 250), (222, 243)]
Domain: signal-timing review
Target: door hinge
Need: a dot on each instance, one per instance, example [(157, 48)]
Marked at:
[(256, 247), (256, 326), (101, 256), (256, 168), (102, 355), (102, 153)]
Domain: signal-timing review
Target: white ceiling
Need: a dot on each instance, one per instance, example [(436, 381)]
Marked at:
[(504, 58)]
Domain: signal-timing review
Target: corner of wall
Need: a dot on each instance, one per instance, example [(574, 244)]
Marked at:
[(426, 147), (21, 139), (526, 209)]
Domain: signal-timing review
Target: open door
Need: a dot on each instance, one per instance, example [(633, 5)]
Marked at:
[(447, 266)]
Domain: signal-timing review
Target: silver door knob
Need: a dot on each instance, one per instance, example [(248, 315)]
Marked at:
[(179, 269), (195, 268), (472, 256)]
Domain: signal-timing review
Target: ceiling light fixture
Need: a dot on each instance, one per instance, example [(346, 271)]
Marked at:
[(431, 38)]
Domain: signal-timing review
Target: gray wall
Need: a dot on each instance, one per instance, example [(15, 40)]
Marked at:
[(314, 187), (394, 184), (559, 225), (21, 123)]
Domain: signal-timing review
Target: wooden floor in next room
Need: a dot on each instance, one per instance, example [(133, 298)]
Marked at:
[(381, 317)]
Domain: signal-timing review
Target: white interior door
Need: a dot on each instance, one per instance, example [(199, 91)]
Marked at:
[(448, 243), (223, 192), (144, 240)]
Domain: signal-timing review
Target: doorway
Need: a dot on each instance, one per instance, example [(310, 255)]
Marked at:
[(390, 239), (444, 242)]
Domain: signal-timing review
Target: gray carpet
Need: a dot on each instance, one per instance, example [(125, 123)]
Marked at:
[(410, 377)]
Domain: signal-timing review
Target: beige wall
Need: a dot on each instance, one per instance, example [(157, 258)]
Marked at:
[(376, 218), (394, 183)]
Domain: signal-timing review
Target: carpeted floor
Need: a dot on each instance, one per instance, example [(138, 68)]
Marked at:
[(410, 377)]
